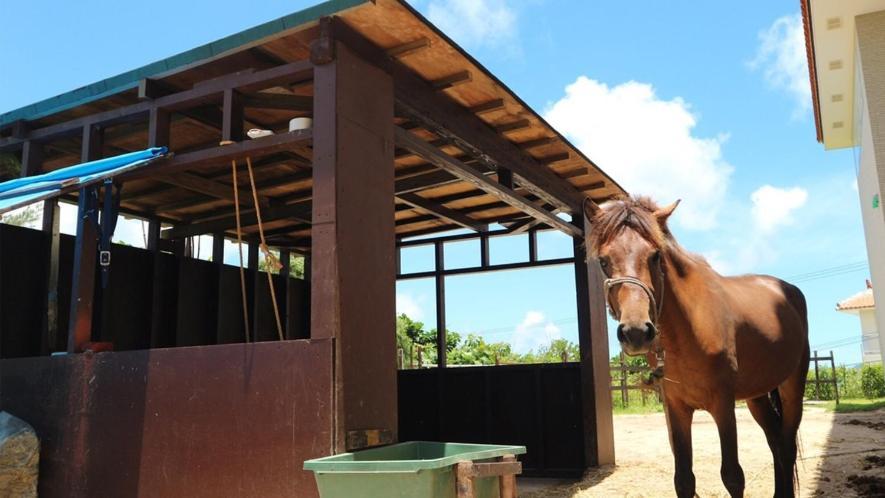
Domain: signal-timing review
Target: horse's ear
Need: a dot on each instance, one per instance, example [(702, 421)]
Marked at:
[(591, 209), (664, 213)]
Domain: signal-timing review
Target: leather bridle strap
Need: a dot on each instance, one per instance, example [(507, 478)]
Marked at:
[(656, 304)]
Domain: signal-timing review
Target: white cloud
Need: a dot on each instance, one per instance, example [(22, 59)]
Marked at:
[(533, 332), (410, 305), (783, 60), (773, 207), (475, 22), (647, 144)]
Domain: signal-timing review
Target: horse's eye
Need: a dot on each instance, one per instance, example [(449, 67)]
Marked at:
[(656, 256), (603, 263)]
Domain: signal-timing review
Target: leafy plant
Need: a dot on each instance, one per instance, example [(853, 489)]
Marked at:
[(872, 381)]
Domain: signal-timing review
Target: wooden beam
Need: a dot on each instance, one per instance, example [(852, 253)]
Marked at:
[(448, 214), (421, 102), (596, 400), (159, 127), (51, 227), (300, 211), (457, 168), (538, 142), (202, 94), (220, 155), (491, 105), (408, 48), (519, 124), (452, 80), (232, 116), (440, 282), (32, 158), (212, 188), (280, 101), (554, 158)]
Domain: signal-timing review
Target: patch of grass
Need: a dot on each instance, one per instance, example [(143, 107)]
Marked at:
[(855, 405), (637, 408)]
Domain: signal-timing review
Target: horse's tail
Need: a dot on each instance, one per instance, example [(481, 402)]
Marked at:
[(775, 398)]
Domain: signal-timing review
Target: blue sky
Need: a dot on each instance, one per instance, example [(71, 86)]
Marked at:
[(694, 100)]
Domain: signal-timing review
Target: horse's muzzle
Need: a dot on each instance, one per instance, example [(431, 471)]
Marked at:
[(636, 340)]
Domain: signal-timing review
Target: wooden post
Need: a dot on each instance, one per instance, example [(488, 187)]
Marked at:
[(232, 116), (51, 227), (508, 481), (353, 241), (441, 353), (598, 425), (85, 249), (153, 245), (464, 479), (816, 378), (32, 158), (533, 245), (835, 378)]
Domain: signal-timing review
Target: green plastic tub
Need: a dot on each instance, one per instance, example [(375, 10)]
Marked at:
[(416, 469)]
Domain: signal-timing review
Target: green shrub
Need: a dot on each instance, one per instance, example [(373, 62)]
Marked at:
[(872, 381)]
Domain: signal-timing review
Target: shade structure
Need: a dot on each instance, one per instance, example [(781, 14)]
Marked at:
[(26, 190)]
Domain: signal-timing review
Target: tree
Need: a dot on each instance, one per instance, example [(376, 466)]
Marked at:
[(10, 167), (22, 217)]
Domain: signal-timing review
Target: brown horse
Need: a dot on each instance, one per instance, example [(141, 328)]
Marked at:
[(714, 339)]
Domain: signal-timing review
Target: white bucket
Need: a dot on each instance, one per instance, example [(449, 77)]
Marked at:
[(300, 124)]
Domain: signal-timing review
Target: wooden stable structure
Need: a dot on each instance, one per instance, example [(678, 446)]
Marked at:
[(410, 136)]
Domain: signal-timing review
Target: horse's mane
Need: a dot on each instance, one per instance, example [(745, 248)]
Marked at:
[(636, 213)]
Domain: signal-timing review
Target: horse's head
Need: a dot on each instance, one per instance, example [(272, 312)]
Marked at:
[(627, 238)]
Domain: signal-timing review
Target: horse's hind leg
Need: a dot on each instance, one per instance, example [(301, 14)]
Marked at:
[(791, 393), (770, 421)]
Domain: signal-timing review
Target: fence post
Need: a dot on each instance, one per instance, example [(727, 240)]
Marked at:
[(835, 378), (816, 379), (625, 399)]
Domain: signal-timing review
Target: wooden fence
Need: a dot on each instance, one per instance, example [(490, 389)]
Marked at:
[(818, 381), (621, 384)]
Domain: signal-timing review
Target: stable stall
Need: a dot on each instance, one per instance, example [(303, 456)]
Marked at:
[(153, 372)]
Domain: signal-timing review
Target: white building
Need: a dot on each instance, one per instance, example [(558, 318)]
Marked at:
[(845, 40), (863, 304)]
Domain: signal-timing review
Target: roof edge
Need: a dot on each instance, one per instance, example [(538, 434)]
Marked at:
[(201, 54), (812, 67)]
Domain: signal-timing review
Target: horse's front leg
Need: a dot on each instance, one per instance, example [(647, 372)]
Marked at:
[(731, 471), (679, 417)]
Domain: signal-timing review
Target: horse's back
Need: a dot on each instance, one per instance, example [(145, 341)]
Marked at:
[(771, 330)]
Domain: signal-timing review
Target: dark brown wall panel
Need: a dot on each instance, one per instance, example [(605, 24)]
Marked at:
[(210, 421)]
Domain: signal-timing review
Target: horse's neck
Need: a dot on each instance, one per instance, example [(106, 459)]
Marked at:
[(683, 274)]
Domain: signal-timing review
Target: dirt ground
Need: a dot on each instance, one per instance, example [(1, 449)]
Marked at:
[(843, 455)]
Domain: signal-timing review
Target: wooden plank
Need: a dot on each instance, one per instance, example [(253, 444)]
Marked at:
[(459, 169), (554, 158), (408, 48), (495, 469), (464, 480), (443, 212)]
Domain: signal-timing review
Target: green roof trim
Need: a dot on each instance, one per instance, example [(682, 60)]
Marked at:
[(130, 79)]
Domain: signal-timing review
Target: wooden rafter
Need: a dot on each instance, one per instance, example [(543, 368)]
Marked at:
[(409, 141), (448, 214)]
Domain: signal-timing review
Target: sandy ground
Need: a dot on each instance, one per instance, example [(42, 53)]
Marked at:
[(843, 455)]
